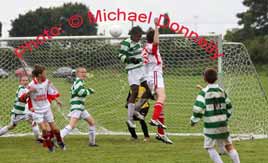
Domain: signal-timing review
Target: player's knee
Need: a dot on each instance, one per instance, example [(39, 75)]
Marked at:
[(44, 132), (135, 93), (90, 121), (56, 130), (161, 98), (229, 147)]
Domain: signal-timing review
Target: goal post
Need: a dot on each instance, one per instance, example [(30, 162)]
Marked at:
[(184, 62)]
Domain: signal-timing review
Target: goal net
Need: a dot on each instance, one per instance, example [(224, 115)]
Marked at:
[(184, 62)]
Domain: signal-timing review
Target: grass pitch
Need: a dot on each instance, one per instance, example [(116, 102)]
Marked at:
[(111, 115), (121, 149)]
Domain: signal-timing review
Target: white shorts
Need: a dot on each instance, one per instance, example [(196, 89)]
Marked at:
[(79, 114), (155, 80), (136, 76), (210, 143), (16, 118), (43, 117)]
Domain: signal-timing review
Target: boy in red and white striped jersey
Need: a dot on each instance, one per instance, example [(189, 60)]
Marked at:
[(39, 103), (154, 76)]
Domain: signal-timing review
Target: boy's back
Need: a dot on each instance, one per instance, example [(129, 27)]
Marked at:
[(213, 103)]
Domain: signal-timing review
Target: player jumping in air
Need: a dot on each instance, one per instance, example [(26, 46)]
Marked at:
[(78, 96), (154, 76), (143, 111), (43, 92), (130, 54), (213, 103), (20, 112)]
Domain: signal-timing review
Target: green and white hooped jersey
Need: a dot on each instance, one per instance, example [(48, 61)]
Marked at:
[(129, 49), (19, 106), (213, 104), (78, 95)]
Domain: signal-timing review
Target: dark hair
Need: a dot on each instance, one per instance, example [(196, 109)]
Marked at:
[(135, 30), (150, 36), (38, 69), (210, 75)]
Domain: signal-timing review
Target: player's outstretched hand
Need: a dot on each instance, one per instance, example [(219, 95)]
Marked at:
[(199, 86)]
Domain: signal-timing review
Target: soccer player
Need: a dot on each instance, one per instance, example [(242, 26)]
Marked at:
[(130, 54), (20, 112), (213, 103), (43, 92), (221, 145), (78, 96), (154, 76), (143, 111)]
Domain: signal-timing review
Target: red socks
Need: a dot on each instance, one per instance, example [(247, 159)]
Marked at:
[(162, 120), (57, 135), (158, 108), (47, 139)]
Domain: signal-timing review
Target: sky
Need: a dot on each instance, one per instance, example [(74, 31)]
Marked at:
[(203, 16)]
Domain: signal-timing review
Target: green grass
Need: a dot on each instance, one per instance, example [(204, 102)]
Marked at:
[(107, 107), (121, 149)]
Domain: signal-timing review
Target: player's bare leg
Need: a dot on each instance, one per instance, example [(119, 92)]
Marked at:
[(131, 105), (92, 131), (56, 132)]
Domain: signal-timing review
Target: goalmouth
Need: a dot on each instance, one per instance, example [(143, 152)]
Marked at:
[(184, 63)]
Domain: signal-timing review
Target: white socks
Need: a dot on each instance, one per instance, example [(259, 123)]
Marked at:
[(214, 155), (130, 109), (3, 130), (67, 129), (36, 132), (234, 156), (92, 135), (217, 159)]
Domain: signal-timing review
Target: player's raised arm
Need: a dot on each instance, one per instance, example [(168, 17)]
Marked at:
[(156, 33)]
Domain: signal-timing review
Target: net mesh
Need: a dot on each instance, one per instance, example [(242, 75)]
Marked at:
[(184, 62)]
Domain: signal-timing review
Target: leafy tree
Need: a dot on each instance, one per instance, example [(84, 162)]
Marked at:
[(34, 22), (254, 31), (163, 30)]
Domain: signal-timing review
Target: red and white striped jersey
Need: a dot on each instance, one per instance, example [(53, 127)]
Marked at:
[(152, 58), (40, 99)]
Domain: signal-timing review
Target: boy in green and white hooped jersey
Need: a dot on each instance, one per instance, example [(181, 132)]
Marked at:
[(78, 97), (19, 111), (131, 54), (213, 104)]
